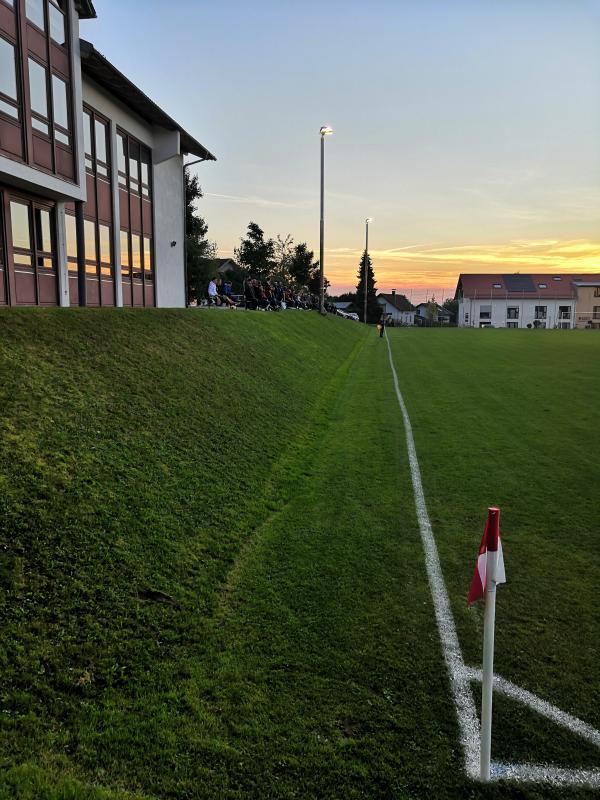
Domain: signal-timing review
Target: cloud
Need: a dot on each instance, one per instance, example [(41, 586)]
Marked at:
[(255, 200), (429, 266)]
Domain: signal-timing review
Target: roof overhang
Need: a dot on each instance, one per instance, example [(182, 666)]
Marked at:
[(85, 9), (97, 67)]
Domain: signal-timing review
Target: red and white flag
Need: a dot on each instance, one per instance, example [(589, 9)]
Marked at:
[(490, 541)]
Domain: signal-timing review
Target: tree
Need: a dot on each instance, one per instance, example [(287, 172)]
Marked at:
[(451, 305), (283, 249), (373, 308), (303, 267), (431, 312), (199, 251), (255, 255)]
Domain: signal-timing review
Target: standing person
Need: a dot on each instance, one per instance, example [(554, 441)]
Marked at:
[(381, 327)]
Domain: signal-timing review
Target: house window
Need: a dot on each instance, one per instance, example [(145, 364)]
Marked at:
[(38, 93), (8, 80), (512, 324), (122, 160), (134, 167), (543, 285), (596, 313), (71, 234), (485, 312), (497, 286), (34, 10), (105, 251), (102, 147), (556, 278), (512, 312), (597, 292), (60, 104), (33, 252), (87, 141), (91, 254), (58, 26), (541, 312), (125, 260), (145, 171), (564, 312)]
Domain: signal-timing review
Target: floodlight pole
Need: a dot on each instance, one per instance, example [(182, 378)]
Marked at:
[(366, 280), (325, 131)]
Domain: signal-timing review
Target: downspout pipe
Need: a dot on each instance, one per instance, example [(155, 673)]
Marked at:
[(80, 233)]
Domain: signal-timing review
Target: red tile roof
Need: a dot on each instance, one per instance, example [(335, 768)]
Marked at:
[(523, 285)]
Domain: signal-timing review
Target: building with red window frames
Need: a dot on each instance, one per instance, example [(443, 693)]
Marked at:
[(91, 171)]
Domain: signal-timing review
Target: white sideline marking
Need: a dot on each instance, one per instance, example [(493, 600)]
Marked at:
[(461, 675)]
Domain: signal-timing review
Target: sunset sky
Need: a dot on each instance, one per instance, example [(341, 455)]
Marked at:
[(468, 129)]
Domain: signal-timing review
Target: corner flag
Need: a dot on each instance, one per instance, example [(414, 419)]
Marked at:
[(490, 541)]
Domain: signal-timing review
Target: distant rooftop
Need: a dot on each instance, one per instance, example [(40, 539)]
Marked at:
[(523, 285)]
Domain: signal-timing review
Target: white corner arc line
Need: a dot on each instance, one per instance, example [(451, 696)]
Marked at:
[(459, 680), (543, 707), (461, 675)]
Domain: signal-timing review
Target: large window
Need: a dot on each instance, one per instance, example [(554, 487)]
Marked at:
[(134, 164), (541, 312), (485, 312), (31, 258), (35, 85), (512, 312)]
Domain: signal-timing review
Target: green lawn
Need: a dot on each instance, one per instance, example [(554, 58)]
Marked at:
[(211, 578)]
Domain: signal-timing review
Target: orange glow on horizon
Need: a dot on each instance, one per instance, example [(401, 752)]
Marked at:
[(422, 267)]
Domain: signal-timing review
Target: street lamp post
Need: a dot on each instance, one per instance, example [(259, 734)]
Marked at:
[(366, 278), (325, 131)]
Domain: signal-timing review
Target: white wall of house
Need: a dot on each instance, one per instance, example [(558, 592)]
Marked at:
[(403, 317), (169, 218), (517, 313), (167, 194)]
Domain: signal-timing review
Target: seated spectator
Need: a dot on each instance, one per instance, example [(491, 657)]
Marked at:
[(215, 296)]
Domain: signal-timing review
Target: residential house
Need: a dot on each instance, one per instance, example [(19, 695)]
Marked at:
[(91, 171), (523, 300), (587, 303), (396, 308), (424, 316)]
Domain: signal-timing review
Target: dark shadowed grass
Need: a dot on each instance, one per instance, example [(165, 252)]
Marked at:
[(212, 583)]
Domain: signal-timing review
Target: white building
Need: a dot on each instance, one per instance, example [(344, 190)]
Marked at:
[(396, 308), (518, 300)]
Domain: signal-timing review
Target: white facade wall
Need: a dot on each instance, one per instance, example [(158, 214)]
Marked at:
[(559, 313), (167, 195)]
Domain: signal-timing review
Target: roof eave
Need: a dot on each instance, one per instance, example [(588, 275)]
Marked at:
[(100, 69), (85, 9)]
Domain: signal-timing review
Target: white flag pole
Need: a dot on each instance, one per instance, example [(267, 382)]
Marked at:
[(488, 644)]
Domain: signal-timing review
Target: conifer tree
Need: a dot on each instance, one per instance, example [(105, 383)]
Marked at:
[(373, 309)]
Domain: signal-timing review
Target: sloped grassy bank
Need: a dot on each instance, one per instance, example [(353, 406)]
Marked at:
[(135, 457)]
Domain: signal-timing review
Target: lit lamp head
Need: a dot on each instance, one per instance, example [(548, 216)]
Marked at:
[(369, 219), (326, 130)]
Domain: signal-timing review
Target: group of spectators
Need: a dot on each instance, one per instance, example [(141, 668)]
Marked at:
[(258, 295), (276, 297)]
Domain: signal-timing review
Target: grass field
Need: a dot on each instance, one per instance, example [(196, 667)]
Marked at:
[(211, 578)]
